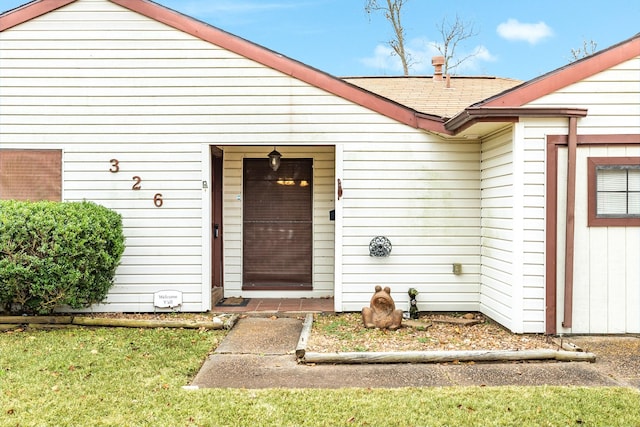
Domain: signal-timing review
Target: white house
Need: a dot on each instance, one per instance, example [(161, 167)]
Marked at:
[(521, 201)]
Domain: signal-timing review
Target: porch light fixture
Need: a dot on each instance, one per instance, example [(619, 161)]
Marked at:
[(274, 159)]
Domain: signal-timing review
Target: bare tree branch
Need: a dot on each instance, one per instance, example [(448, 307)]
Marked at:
[(452, 35), (587, 49), (392, 10)]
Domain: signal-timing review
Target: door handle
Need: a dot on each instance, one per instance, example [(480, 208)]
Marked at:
[(216, 230)]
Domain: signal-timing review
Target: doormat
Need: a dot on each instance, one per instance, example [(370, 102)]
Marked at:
[(233, 302)]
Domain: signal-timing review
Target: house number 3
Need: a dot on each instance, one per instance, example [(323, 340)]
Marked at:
[(115, 166), (137, 185)]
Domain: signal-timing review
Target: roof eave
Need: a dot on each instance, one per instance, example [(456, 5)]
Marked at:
[(472, 115)]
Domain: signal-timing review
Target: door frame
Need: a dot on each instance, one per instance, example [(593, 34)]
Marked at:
[(216, 224), (233, 155)]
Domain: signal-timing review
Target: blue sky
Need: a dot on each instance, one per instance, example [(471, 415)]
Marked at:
[(516, 38)]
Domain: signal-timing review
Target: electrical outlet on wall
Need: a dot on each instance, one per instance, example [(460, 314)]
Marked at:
[(457, 268)]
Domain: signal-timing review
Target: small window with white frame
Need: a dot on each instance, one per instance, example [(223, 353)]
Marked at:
[(614, 191)]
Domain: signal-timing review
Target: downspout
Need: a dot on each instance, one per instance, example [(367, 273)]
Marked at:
[(570, 222)]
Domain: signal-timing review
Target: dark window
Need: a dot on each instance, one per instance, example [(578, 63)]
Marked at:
[(614, 191), (277, 225), (31, 175)]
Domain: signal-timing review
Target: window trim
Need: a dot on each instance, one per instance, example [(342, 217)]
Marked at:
[(53, 190), (593, 219)]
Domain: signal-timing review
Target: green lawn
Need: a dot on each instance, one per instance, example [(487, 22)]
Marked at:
[(134, 377)]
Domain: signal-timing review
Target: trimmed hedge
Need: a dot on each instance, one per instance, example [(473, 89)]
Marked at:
[(56, 254)]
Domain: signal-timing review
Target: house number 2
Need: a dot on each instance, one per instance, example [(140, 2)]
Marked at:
[(137, 184)]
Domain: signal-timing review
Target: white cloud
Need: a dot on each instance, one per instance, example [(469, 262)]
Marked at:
[(383, 59), (515, 30), (421, 51), (473, 64)]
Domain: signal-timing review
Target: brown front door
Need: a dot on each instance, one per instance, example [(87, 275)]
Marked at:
[(277, 225), (216, 223)]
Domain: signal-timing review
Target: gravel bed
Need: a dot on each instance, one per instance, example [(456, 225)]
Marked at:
[(345, 332)]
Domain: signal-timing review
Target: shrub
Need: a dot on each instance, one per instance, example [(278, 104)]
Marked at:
[(54, 254)]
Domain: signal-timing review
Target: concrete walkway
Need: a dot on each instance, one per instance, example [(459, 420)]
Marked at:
[(260, 353)]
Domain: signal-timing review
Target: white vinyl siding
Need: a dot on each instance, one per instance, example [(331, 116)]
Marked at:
[(423, 195), (532, 279), (513, 225), (102, 83), (533, 229), (606, 272), (612, 98), (496, 299)]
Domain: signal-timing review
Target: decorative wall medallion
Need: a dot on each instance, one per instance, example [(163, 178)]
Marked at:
[(380, 246)]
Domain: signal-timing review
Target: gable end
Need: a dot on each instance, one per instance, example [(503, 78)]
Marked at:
[(565, 76)]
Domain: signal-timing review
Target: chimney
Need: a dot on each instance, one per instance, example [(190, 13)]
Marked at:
[(437, 62)]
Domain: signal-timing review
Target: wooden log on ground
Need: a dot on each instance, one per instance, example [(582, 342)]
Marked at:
[(36, 319), (8, 326), (301, 348), (150, 323), (231, 321), (445, 356), (575, 356)]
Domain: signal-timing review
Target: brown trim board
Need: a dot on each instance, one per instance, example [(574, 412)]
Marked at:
[(472, 115)]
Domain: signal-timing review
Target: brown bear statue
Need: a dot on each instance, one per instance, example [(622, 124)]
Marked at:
[(382, 313)]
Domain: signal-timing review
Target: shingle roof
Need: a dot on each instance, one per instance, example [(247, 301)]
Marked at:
[(426, 95)]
